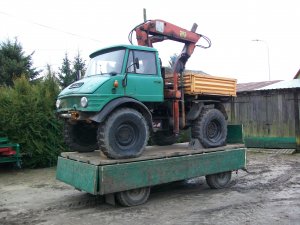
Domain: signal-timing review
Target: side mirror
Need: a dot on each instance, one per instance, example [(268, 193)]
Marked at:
[(137, 66), (78, 75), (137, 63)]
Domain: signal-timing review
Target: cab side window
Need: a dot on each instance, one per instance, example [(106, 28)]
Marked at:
[(147, 62)]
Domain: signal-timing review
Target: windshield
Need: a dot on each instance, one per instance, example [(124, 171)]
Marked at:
[(106, 63)]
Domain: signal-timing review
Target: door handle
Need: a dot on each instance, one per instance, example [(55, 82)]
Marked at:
[(157, 81)]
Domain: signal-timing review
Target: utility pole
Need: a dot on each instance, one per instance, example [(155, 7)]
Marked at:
[(268, 52), (145, 15)]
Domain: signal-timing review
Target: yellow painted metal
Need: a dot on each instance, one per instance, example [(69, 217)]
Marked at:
[(195, 84)]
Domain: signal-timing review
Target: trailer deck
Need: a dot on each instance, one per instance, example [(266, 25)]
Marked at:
[(97, 158), (94, 173)]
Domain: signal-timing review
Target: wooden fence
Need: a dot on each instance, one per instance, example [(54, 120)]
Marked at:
[(270, 117)]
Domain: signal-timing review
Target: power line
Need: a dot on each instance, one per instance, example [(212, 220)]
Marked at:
[(51, 28), (50, 49)]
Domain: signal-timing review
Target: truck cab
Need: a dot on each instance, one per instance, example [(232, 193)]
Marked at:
[(114, 72), (120, 83)]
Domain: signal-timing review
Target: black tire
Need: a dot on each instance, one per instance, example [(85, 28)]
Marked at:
[(163, 138), (81, 137), (124, 134), (133, 197), (210, 128), (218, 180)]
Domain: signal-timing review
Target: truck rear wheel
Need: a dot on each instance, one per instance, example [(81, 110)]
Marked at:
[(80, 137), (218, 180), (163, 138), (210, 128), (133, 197), (124, 134)]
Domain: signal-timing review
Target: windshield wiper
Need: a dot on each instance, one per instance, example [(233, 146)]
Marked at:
[(113, 73)]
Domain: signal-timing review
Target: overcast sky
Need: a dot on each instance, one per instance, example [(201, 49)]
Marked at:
[(51, 28)]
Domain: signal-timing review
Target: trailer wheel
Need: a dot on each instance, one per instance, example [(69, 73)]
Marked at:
[(124, 134), (163, 138), (218, 180), (210, 128), (133, 197), (80, 137)]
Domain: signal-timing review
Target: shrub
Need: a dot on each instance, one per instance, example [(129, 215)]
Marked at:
[(27, 117)]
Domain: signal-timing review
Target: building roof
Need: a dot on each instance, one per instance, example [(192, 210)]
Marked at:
[(254, 85), (297, 76), (283, 85)]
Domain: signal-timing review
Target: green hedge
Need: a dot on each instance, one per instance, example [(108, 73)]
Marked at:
[(27, 117)]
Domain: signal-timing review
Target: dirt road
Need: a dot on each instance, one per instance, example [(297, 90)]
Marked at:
[(269, 194)]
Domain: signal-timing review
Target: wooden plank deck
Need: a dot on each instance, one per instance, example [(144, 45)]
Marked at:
[(151, 152)]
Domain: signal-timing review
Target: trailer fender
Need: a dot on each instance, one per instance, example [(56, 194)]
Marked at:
[(123, 102)]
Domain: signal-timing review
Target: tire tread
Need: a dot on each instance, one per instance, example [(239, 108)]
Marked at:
[(103, 145), (197, 132)]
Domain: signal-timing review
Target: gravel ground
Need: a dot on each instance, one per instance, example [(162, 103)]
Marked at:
[(268, 194)]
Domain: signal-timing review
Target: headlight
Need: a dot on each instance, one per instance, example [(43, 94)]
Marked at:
[(57, 103), (83, 102)]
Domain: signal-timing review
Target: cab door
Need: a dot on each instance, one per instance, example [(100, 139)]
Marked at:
[(144, 83)]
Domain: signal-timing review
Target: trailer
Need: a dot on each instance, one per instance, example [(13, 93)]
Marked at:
[(10, 152), (129, 180)]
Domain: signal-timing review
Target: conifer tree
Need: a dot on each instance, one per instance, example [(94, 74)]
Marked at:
[(15, 63)]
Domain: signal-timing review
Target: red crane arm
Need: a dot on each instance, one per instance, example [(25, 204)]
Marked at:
[(163, 29), (158, 30)]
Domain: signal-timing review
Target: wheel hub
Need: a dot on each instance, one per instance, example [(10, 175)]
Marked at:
[(222, 178), (125, 135), (136, 194), (213, 130)]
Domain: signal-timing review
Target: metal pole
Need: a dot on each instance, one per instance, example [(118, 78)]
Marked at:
[(145, 15), (268, 59), (267, 46), (297, 119)]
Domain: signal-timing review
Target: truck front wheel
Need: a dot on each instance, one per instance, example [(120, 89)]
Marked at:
[(124, 134), (210, 128), (81, 137)]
